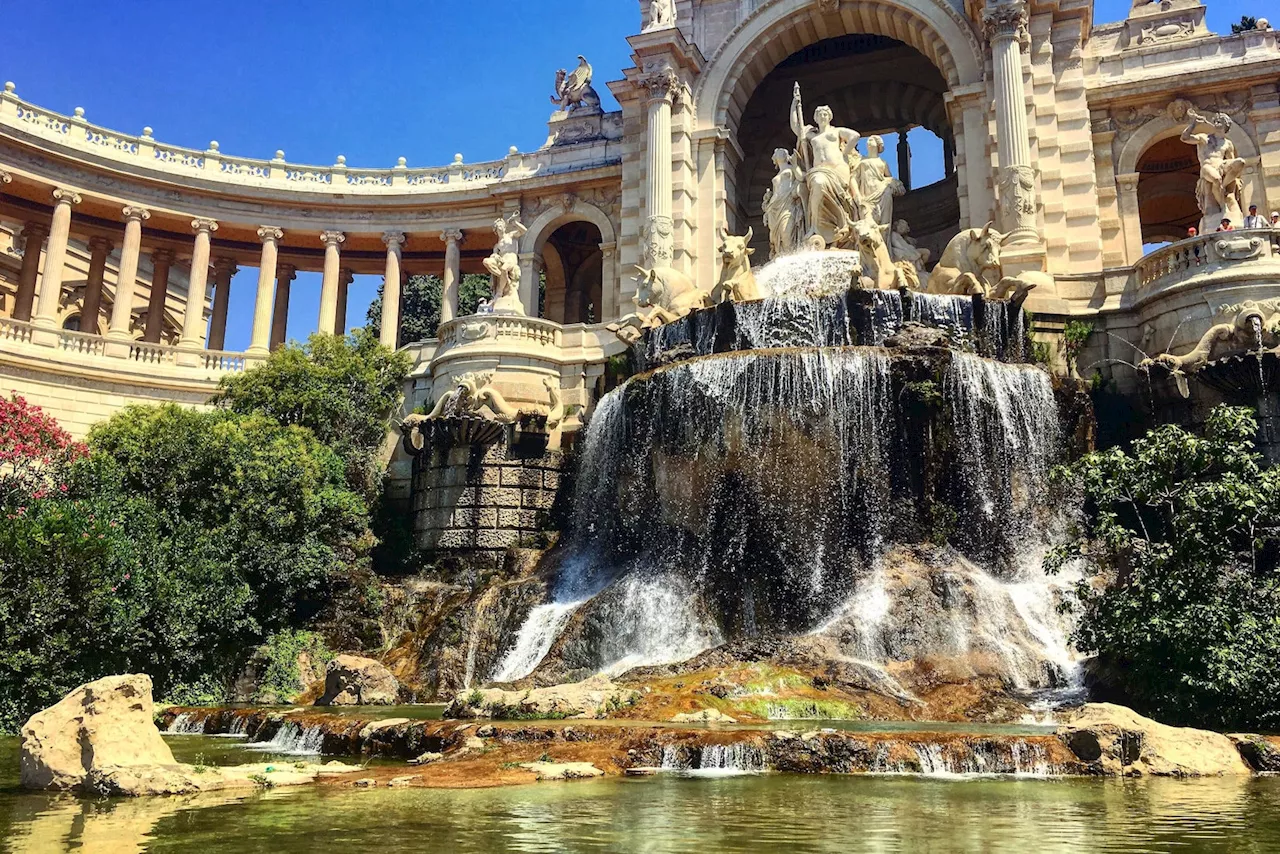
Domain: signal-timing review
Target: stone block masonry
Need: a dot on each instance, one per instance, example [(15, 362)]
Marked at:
[(475, 502)]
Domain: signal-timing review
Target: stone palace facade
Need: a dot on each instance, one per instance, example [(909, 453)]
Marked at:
[(1077, 139)]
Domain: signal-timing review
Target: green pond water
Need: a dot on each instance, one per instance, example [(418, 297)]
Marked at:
[(764, 813)]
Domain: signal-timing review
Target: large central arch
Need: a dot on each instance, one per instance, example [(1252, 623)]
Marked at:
[(778, 29)]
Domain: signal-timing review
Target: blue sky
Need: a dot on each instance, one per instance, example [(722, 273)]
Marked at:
[(373, 80)]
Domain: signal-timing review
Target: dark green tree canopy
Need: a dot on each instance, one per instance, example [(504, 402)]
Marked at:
[(420, 305), (1185, 533)]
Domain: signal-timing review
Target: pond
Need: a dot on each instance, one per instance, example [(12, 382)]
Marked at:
[(666, 813)]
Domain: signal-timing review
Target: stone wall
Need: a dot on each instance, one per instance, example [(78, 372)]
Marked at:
[(477, 502)]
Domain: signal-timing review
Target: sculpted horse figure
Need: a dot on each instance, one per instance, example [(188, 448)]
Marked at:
[(737, 282)]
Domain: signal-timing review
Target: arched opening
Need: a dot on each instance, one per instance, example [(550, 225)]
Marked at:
[(1167, 206), (876, 85), (573, 265)]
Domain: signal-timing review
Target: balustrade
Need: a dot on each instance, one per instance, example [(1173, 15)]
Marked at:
[(145, 151), (83, 343), (1204, 254)]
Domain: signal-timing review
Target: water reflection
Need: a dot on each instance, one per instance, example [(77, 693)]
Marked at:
[(666, 814)]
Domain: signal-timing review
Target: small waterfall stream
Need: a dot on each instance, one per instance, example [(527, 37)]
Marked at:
[(292, 739), (185, 724)]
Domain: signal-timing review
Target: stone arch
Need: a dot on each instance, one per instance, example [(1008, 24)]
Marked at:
[(549, 221), (541, 229), (1164, 127), (781, 27)]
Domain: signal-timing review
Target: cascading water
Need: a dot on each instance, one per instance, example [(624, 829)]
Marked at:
[(292, 740), (713, 759), (185, 724)]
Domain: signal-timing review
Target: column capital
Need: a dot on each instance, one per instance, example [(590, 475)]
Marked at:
[(225, 265), (162, 255), (35, 228), (5, 177), (332, 238), (204, 226), (451, 235), (394, 239), (65, 196), (1005, 19), (98, 243), (661, 82), (346, 276), (133, 213), (287, 272), (270, 233)]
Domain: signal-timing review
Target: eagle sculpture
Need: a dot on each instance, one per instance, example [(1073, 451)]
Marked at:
[(574, 91)]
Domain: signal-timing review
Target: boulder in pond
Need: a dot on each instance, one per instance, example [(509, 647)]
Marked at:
[(354, 681), (103, 724), (1118, 741)]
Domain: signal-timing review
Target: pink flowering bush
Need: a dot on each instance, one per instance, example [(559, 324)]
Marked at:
[(34, 452)]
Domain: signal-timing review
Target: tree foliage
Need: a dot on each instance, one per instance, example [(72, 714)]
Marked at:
[(1185, 533), (342, 389), (420, 305), (1247, 23), (34, 450)]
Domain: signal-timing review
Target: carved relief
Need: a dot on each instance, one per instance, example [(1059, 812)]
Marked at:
[(1239, 248)]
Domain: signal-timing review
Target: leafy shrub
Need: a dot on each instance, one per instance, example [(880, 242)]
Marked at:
[(34, 451), (1185, 533), (280, 678)]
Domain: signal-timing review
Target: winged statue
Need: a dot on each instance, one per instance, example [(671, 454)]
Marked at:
[(574, 90)]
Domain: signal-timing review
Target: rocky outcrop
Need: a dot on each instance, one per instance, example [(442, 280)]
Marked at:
[(1262, 753), (101, 739), (563, 770), (1117, 741), (588, 698), (355, 681), (100, 725)]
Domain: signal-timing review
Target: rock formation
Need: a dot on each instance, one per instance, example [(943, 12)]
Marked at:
[(355, 681), (1120, 742), (102, 724)]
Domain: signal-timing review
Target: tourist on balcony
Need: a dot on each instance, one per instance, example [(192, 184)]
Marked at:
[(1275, 219), (1226, 225), (1254, 219), (1192, 232)]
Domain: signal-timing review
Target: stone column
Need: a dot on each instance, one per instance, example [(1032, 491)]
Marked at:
[(127, 274), (1006, 26), (609, 283), (161, 260), (99, 249), (452, 273), (329, 280), (390, 334), (1130, 216), (55, 259), (193, 325), (224, 269), (345, 278), (948, 157), (904, 158), (260, 342), (33, 236), (285, 274), (662, 87), (530, 275)]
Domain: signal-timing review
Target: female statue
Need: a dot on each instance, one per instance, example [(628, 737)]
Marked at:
[(876, 187), (821, 154), (783, 207)]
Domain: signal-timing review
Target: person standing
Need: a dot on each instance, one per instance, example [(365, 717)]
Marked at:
[(1254, 219), (1275, 219)]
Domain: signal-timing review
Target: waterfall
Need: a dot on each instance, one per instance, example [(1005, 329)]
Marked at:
[(943, 311), (806, 275), (713, 759), (534, 640), (185, 724), (777, 492), (292, 740), (781, 322), (886, 315), (968, 758)]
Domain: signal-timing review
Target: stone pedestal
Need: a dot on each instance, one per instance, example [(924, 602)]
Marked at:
[(1163, 21), (582, 126)]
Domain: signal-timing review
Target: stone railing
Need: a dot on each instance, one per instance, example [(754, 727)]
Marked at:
[(15, 331), (489, 329), (85, 348), (211, 164), (1208, 254), (82, 343)]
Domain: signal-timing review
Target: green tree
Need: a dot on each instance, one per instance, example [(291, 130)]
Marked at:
[(420, 305), (345, 390), (1247, 22), (1184, 532)]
